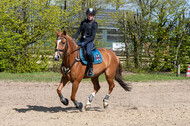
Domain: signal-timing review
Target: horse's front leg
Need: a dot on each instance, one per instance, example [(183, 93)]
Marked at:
[(75, 86), (63, 82)]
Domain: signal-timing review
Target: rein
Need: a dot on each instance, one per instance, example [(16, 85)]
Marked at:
[(67, 70)]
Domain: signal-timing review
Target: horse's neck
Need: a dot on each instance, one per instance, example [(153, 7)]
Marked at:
[(71, 44), (72, 52)]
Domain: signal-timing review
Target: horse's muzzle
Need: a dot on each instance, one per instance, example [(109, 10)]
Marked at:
[(57, 57)]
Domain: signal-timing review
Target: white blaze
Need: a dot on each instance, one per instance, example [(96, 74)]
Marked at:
[(58, 41)]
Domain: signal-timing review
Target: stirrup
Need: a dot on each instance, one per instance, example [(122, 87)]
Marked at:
[(90, 72)]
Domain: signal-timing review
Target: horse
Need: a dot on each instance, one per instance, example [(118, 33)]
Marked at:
[(74, 71)]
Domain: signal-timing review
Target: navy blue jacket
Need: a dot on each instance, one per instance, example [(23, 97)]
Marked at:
[(88, 30)]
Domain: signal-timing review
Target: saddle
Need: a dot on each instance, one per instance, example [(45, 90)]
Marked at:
[(97, 56)]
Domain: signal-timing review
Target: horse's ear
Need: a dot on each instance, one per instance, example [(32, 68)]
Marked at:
[(64, 32), (56, 32)]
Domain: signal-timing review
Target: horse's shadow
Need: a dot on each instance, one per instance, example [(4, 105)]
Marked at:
[(53, 109)]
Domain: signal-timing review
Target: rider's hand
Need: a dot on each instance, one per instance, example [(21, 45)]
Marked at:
[(82, 44), (78, 43)]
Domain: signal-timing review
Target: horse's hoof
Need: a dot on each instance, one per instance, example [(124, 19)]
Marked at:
[(105, 104), (87, 106), (65, 101), (79, 106)]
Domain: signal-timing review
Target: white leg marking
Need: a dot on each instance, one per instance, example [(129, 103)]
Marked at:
[(90, 98), (105, 101)]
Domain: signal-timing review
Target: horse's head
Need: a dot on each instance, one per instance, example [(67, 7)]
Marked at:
[(61, 45)]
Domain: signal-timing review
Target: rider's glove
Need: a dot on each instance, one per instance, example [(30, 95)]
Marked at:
[(83, 44)]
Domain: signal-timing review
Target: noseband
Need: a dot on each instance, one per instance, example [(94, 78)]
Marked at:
[(66, 46)]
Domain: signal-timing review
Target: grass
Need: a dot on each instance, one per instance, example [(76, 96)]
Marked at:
[(56, 77), (30, 77), (38, 77), (154, 77)]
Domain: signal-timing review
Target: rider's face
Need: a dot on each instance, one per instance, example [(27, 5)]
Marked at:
[(90, 16)]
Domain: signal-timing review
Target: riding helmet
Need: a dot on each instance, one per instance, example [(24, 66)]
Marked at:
[(90, 11)]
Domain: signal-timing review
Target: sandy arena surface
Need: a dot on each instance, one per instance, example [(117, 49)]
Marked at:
[(164, 103)]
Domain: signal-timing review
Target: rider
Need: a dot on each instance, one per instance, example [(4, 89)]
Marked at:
[(88, 28)]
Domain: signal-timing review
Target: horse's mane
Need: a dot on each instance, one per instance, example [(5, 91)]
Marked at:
[(71, 41)]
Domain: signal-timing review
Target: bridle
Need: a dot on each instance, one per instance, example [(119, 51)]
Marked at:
[(67, 70), (66, 47), (62, 50)]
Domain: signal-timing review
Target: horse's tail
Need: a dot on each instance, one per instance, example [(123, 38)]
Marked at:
[(119, 79)]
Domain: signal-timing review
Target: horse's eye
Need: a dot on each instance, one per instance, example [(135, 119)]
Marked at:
[(63, 42)]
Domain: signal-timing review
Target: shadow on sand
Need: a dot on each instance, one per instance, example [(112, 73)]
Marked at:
[(53, 109)]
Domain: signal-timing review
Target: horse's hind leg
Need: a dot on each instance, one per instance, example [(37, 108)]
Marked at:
[(96, 88), (109, 77), (59, 89)]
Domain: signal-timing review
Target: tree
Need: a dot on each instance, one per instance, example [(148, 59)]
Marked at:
[(27, 28), (167, 15), (155, 22), (135, 26), (180, 43)]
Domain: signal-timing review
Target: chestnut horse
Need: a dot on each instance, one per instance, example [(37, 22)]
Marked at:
[(74, 71)]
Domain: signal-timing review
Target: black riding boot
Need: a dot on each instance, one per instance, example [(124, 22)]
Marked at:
[(90, 64)]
